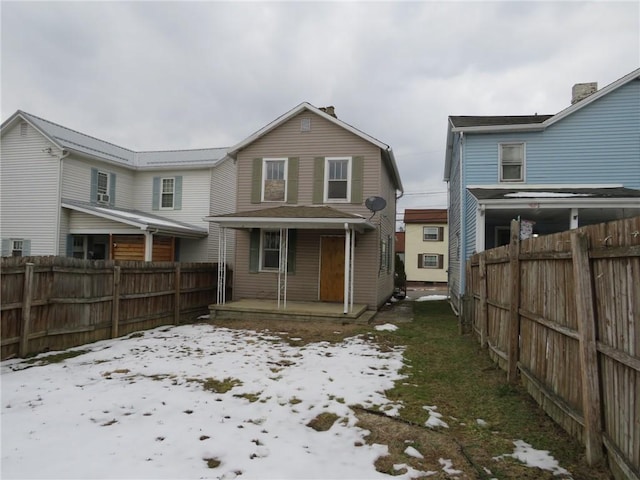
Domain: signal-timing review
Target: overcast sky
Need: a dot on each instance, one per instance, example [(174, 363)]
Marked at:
[(153, 76)]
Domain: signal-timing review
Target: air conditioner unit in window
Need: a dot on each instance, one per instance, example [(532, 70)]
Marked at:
[(103, 197)]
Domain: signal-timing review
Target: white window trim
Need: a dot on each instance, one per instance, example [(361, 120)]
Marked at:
[(326, 180), (261, 267), (437, 239), (524, 161), (264, 178), (173, 198), (424, 257), (108, 188)]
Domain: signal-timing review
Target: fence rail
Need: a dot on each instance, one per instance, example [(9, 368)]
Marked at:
[(562, 312), (53, 303)]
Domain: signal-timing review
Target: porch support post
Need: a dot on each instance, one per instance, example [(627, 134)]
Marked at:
[(347, 265), (480, 228), (283, 266), (352, 271), (573, 220), (221, 297), (148, 246)]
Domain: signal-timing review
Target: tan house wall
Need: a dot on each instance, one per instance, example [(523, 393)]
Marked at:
[(324, 140)]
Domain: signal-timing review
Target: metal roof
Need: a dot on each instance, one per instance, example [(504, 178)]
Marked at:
[(136, 218), (81, 143)]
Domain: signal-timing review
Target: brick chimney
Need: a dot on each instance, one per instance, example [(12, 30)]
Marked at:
[(329, 111), (580, 91)]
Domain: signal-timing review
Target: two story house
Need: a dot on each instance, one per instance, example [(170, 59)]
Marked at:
[(556, 172), (67, 193), (426, 246), (315, 214)]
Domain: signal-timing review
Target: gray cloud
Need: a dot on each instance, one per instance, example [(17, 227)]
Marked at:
[(166, 75)]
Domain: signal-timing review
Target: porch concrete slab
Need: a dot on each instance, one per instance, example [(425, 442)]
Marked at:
[(255, 309)]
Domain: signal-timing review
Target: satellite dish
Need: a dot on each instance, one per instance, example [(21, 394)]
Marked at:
[(375, 204)]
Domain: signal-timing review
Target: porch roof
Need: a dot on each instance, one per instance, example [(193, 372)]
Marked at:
[(305, 217), (142, 220), (557, 196)]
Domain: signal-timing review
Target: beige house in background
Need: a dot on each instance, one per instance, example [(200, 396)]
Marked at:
[(426, 245)]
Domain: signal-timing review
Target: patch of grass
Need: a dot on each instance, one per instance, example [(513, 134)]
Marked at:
[(56, 357), (294, 401), (219, 386), (252, 397), (323, 422), (212, 462)]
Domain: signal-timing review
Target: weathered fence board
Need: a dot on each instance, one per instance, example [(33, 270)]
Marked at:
[(53, 303), (575, 298)]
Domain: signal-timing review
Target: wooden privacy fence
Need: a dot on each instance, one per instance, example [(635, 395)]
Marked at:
[(53, 303), (563, 312)]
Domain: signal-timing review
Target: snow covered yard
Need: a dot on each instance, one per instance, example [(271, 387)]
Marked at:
[(196, 401)]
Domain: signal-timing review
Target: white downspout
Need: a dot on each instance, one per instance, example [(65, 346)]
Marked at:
[(56, 245), (347, 263)]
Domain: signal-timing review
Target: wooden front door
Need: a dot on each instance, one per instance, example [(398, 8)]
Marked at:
[(332, 269)]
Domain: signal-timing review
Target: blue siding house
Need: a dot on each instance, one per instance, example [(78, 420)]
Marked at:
[(578, 167)]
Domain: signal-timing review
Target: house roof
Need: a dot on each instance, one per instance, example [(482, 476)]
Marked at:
[(612, 197), (495, 124), (306, 217), (387, 152), (142, 220), (425, 216), (72, 140)]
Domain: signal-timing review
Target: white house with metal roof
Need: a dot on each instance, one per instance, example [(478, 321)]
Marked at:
[(67, 193)]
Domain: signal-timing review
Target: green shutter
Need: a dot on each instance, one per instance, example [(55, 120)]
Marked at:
[(112, 189), (254, 250), (291, 252), (93, 196), (292, 180), (357, 173), (256, 181), (177, 193), (155, 197), (318, 180)]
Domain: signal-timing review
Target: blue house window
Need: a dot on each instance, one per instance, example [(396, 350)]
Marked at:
[(512, 162)]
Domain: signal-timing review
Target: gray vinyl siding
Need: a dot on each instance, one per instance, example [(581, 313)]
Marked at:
[(65, 220), (324, 140), (29, 186), (76, 183), (222, 200), (455, 224)]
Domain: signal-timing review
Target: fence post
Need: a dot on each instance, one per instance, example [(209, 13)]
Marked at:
[(176, 303), (484, 313), (27, 295), (514, 302), (591, 409), (115, 303)]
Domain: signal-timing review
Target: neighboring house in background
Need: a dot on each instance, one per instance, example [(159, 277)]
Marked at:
[(67, 193), (578, 167), (426, 245), (303, 232)]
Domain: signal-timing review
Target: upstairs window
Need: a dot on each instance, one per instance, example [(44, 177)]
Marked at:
[(103, 187), (432, 234), (338, 178), (274, 184), (168, 191), (512, 162)]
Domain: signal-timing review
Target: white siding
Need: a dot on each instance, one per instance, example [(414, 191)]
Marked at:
[(415, 245), (76, 184), (29, 186)]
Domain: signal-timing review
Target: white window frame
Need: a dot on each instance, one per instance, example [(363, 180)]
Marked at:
[(327, 161), (102, 191), (163, 193), (265, 161), (262, 248), (522, 165), (430, 255), (425, 235), (17, 245)]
